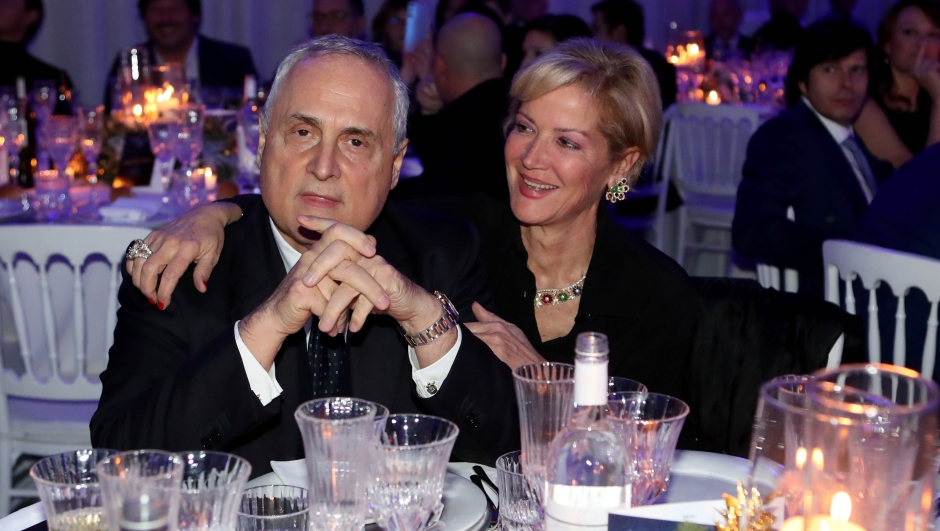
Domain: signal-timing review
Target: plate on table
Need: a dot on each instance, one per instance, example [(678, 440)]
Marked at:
[(698, 476), (11, 209), (465, 507)]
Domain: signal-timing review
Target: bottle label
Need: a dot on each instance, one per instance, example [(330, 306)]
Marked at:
[(579, 506), (590, 384)]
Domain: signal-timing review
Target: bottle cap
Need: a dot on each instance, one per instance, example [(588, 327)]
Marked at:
[(592, 344)]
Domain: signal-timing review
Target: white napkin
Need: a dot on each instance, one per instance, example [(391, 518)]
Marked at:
[(292, 473), (131, 209), (24, 518)]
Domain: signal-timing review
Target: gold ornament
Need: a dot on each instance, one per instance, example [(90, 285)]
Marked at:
[(618, 191), (757, 518)]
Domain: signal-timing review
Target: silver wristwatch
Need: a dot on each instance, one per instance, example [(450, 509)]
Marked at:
[(449, 320)]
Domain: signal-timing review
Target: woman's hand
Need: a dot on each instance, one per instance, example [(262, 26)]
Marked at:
[(196, 236), (429, 99), (504, 338), (927, 73)]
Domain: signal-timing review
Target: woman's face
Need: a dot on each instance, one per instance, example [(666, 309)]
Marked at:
[(535, 44), (913, 34), (395, 30), (557, 161)]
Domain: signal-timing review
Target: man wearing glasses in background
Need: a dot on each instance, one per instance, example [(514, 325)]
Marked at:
[(346, 18)]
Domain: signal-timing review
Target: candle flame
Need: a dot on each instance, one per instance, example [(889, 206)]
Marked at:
[(138, 110), (818, 460), (693, 49), (713, 98), (800, 458), (841, 508)]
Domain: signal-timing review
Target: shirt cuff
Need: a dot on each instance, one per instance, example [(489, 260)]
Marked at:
[(263, 383), (429, 379)]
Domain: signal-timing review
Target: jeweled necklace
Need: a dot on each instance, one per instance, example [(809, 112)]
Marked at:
[(553, 296)]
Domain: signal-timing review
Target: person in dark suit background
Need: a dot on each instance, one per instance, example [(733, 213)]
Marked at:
[(226, 368), (173, 37), (724, 17), (809, 159), (783, 30), (19, 22), (622, 22), (461, 143)]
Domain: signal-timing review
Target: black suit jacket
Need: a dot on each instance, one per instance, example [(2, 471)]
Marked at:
[(792, 160), (665, 75), (175, 379), (221, 64)]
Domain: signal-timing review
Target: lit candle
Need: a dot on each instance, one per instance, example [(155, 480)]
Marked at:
[(210, 179), (713, 98), (838, 520)]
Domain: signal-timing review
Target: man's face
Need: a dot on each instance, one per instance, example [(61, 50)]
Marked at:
[(15, 19), (328, 151), (336, 17), (600, 28), (837, 89), (169, 23), (724, 17)]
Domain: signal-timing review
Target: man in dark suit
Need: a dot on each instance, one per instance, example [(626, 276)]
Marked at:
[(461, 143), (19, 22), (809, 159), (783, 30), (225, 369), (622, 21), (725, 41), (173, 37)]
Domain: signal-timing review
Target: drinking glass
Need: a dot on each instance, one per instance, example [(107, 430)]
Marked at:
[(518, 509), (273, 508), (649, 424), (164, 135), (141, 487), (249, 124), (52, 194), (545, 395), (617, 384), (91, 120), (59, 138), (188, 186), (14, 134), (211, 490), (337, 433), (69, 490), (873, 460), (409, 467), (43, 97)]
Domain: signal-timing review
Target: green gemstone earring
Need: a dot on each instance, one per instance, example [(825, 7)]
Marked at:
[(618, 191)]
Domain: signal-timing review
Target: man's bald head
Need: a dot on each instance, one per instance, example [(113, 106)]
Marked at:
[(471, 48)]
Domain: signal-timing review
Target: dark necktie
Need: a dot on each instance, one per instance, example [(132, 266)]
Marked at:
[(328, 362), (869, 178)]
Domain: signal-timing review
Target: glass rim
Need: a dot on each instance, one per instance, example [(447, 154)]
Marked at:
[(764, 394), (300, 414), (172, 456), (517, 372), (52, 483), (859, 411), (243, 472), (423, 446), (507, 456), (683, 413), (245, 492)]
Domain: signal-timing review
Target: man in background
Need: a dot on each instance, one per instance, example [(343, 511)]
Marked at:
[(809, 159), (784, 28), (461, 143), (173, 37), (19, 22), (725, 41), (346, 18), (842, 10), (622, 21)]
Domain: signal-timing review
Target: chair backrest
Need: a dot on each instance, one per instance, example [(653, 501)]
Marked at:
[(769, 276), (706, 147), (62, 285), (657, 185), (848, 260)]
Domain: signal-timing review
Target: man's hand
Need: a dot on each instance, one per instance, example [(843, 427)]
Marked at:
[(196, 236), (416, 65), (428, 96), (505, 339)]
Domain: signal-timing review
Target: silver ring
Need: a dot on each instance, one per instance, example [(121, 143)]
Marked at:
[(138, 249)]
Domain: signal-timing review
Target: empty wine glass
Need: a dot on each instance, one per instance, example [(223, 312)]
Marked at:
[(248, 122), (409, 467), (59, 137), (189, 186), (43, 98), (14, 134), (91, 127), (164, 135)]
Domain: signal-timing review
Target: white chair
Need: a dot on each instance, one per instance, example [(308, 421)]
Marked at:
[(769, 276), (658, 187), (848, 260), (61, 285), (704, 154)]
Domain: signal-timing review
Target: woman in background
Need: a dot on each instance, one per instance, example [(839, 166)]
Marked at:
[(548, 31)]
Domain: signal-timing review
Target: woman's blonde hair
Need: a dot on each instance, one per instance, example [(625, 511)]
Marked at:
[(618, 78)]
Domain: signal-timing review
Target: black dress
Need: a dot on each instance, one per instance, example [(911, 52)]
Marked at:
[(912, 127)]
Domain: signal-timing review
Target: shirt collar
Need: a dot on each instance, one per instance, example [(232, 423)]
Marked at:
[(839, 132), (289, 255), (191, 68)]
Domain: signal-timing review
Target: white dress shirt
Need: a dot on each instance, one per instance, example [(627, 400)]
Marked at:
[(264, 383), (839, 133), (192, 62)]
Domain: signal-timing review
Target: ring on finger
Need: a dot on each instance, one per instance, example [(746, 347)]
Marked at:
[(138, 249)]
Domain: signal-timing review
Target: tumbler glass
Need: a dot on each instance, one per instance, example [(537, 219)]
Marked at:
[(141, 488), (518, 508), (69, 490), (211, 490), (52, 194), (273, 508)]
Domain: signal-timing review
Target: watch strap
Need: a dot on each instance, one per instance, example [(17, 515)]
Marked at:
[(438, 328)]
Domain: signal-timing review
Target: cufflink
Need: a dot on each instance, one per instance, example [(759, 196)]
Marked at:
[(431, 388)]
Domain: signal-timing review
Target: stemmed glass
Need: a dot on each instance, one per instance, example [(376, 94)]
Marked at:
[(164, 135), (249, 124), (13, 124), (410, 462), (43, 99), (187, 151), (59, 137), (91, 125)]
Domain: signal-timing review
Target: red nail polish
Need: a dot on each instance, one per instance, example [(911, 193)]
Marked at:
[(160, 306), (152, 302)]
